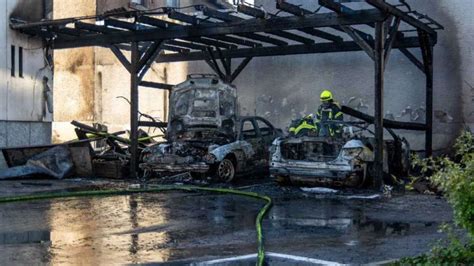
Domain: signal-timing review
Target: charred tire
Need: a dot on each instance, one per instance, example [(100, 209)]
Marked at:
[(225, 170)]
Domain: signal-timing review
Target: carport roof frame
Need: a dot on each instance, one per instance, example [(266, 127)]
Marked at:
[(250, 32)]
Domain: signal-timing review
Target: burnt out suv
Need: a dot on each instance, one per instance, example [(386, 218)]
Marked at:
[(205, 134)]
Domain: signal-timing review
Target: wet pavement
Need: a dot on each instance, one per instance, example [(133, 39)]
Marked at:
[(178, 227)]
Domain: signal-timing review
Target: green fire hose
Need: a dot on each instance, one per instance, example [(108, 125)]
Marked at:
[(258, 220)]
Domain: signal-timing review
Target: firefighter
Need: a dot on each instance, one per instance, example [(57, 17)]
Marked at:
[(303, 126), (329, 111)]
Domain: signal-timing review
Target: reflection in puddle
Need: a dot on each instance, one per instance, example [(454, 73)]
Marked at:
[(177, 226), (91, 232), (132, 229), (335, 223)]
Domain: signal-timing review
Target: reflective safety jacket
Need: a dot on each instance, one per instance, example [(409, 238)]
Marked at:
[(301, 127), (329, 112)]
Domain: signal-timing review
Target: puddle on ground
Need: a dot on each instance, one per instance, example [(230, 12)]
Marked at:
[(178, 226)]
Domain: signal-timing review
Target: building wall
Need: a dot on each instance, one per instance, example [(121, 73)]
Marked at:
[(25, 115), (90, 82), (283, 88), (74, 73)]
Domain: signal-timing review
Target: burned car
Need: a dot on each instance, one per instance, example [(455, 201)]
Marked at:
[(347, 161), (205, 134)]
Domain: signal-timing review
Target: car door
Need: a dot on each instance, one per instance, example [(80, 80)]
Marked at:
[(267, 131), (250, 134), (268, 134)]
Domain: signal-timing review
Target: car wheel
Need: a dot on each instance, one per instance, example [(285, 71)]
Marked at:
[(225, 171)]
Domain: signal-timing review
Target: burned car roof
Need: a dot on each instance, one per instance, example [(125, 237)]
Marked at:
[(204, 103)]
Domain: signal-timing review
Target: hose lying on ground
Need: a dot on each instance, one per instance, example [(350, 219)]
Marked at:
[(258, 220)]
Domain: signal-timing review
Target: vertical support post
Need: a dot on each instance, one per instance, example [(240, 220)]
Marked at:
[(427, 52), (135, 57), (379, 91), (429, 106)]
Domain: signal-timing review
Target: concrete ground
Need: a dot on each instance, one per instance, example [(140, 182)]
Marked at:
[(182, 227)]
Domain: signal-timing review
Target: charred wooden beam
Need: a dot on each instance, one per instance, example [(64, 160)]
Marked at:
[(349, 46), (149, 57), (44, 33), (358, 36), (412, 58), (386, 123), (197, 21), (151, 52), (257, 13), (72, 31), (175, 49), (238, 41), (226, 62), (121, 57), (391, 39), (298, 11), (156, 85), (387, 8), (366, 47), (335, 6), (240, 68), (427, 53), (134, 109), (153, 124), (293, 37), (187, 45), (213, 42), (95, 28), (122, 24), (341, 9), (193, 20), (155, 22), (253, 12), (263, 38), (248, 26), (322, 34), (379, 102), (226, 17), (214, 65), (292, 9)]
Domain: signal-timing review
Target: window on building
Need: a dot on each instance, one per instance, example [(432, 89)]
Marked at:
[(13, 60), (20, 62)]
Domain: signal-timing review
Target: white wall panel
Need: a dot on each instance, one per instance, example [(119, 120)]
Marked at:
[(24, 97), (3, 60)]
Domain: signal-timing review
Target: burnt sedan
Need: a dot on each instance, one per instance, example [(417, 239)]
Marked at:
[(347, 161), (206, 136)]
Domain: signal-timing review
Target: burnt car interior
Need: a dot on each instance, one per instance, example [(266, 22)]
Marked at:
[(311, 150)]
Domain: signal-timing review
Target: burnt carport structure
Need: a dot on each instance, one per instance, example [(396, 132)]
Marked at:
[(169, 35)]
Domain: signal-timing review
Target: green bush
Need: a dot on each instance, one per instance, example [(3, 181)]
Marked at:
[(453, 251), (455, 178)]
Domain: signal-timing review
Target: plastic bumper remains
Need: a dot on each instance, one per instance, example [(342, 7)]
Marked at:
[(315, 173)]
